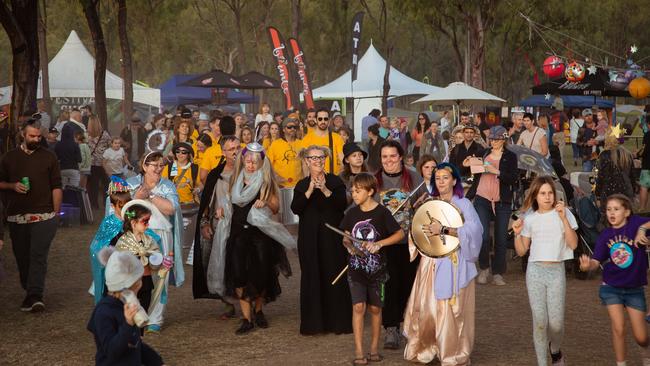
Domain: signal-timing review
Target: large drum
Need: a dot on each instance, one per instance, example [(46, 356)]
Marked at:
[(286, 196), (446, 214)]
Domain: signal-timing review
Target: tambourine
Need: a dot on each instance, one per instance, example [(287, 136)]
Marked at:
[(446, 214)]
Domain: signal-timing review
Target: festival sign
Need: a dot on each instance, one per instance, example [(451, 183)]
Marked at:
[(301, 67), (280, 54), (357, 21)]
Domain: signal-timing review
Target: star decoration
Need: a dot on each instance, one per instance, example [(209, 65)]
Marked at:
[(592, 70), (547, 96), (634, 48), (613, 75), (617, 131)]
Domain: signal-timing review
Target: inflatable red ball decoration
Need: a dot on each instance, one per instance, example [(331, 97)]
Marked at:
[(575, 72), (553, 67)]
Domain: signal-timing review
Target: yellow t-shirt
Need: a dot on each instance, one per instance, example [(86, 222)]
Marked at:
[(284, 159), (337, 147), (211, 157), (266, 143), (183, 185), (195, 135), (198, 156)]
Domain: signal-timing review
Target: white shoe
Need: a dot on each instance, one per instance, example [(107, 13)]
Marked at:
[(498, 280), (483, 276)]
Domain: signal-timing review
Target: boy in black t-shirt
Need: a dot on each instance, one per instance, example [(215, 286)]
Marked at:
[(374, 227)]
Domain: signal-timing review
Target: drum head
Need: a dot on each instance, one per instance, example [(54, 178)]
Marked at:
[(448, 215)]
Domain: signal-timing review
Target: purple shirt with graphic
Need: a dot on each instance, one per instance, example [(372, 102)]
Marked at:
[(624, 265)]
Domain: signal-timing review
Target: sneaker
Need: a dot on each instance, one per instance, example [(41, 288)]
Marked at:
[(498, 280), (152, 329), (260, 320), (32, 305), (483, 276), (392, 338), (245, 327)]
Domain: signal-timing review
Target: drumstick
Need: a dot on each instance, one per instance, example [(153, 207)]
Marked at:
[(339, 276)]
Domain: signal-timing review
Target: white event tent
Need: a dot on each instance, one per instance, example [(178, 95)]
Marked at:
[(368, 88), (71, 74)]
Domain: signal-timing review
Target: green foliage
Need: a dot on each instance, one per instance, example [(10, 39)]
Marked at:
[(192, 36)]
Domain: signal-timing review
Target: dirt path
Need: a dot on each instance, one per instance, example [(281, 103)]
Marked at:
[(194, 336)]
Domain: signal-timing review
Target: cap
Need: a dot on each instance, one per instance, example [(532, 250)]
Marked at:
[(586, 112), (186, 113), (53, 130), (498, 133), (123, 269), (184, 145), (336, 114), (350, 148), (203, 116)]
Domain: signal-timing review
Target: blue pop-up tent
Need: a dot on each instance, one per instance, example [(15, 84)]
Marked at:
[(172, 94), (570, 101)]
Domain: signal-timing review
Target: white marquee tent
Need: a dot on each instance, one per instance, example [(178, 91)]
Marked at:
[(369, 86), (72, 72)]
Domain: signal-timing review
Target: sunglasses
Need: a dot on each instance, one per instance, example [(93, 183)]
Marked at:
[(144, 221), (316, 158), (323, 118), (184, 152), (291, 127)]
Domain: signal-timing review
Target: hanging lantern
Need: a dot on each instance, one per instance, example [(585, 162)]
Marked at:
[(553, 67), (575, 72), (617, 80), (639, 88)]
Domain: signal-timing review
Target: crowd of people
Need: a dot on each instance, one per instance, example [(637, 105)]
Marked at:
[(213, 189)]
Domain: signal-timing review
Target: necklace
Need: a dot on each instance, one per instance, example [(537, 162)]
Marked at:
[(393, 175)]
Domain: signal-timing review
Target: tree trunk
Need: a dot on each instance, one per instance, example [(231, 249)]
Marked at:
[(295, 19), (21, 23), (95, 26), (477, 58), (127, 66), (44, 59)]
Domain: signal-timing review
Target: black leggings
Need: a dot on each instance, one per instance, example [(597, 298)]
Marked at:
[(144, 295), (96, 185)]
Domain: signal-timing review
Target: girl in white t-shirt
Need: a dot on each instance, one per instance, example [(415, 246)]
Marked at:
[(115, 158), (264, 115), (548, 231)]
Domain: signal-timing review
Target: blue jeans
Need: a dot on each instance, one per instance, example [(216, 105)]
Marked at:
[(587, 165), (500, 216), (576, 151)]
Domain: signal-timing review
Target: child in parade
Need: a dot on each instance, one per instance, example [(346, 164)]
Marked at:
[(136, 216), (114, 324), (621, 251), (109, 231), (549, 233), (375, 227)]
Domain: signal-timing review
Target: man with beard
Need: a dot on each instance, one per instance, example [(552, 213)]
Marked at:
[(468, 148), (31, 178), (311, 121), (283, 155), (215, 212), (322, 136)]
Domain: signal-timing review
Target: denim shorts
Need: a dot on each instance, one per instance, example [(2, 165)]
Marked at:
[(629, 297), (644, 179)]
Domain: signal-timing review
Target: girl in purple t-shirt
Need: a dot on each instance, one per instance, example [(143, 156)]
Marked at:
[(621, 251)]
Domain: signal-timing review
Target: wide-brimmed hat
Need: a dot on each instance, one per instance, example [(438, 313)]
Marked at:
[(350, 148), (184, 145)]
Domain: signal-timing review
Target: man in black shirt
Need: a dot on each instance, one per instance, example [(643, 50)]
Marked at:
[(587, 143), (32, 209), (469, 147)]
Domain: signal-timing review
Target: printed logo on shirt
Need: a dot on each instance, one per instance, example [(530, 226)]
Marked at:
[(391, 199), (364, 230), (620, 251)]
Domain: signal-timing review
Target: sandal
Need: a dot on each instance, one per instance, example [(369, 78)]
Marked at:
[(374, 357), (360, 361)]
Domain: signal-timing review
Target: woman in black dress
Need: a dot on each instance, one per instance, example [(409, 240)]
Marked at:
[(254, 257), (319, 198)]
